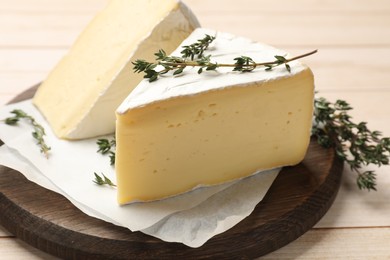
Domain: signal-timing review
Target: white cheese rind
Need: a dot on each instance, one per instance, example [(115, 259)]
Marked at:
[(81, 94), (223, 50), (176, 134)]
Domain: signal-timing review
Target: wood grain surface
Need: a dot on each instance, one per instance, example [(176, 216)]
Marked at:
[(353, 63), (297, 199)]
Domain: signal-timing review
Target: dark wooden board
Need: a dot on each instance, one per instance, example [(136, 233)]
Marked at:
[(298, 198)]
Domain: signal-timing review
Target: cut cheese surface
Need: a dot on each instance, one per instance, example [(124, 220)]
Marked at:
[(179, 133), (80, 95)]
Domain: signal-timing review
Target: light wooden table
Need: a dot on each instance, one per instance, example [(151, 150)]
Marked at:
[(353, 63)]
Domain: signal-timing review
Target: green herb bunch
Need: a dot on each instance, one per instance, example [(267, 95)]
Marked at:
[(353, 142)]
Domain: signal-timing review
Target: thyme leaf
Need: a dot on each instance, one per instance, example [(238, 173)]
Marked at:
[(103, 180)]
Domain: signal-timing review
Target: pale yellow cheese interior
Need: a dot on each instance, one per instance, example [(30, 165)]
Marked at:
[(80, 95), (172, 146)]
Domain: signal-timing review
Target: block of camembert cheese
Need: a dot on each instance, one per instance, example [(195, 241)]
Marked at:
[(80, 95), (182, 132)]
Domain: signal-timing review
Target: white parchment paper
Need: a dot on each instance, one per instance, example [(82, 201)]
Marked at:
[(191, 218)]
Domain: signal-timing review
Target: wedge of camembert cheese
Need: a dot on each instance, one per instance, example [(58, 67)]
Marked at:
[(191, 130), (81, 94)]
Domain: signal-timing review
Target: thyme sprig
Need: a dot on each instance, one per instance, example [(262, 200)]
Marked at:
[(353, 142), (38, 133), (103, 180), (107, 147), (178, 64)]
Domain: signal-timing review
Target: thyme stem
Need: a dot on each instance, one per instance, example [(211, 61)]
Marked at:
[(195, 64)]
